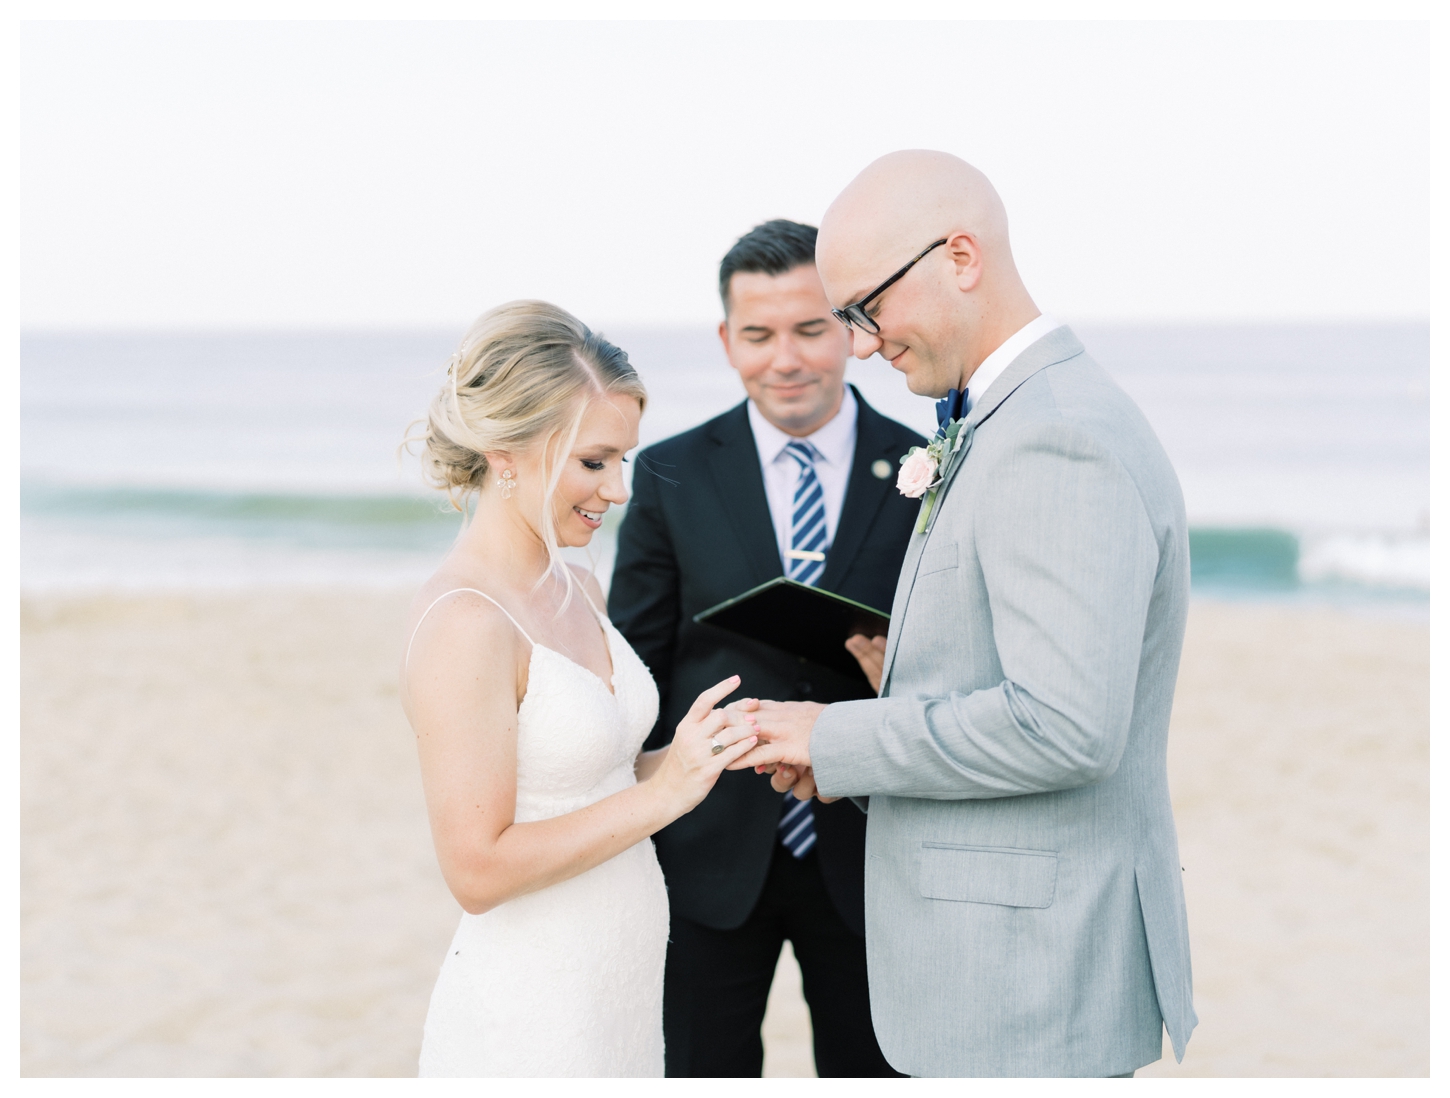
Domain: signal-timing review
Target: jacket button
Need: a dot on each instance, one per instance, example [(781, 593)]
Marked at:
[(803, 687)]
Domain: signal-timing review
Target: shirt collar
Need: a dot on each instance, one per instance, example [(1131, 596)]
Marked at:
[(995, 363), (835, 441)]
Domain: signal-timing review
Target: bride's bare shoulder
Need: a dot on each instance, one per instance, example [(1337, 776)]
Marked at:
[(451, 619)]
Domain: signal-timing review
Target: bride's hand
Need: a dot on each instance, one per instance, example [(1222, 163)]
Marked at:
[(692, 765)]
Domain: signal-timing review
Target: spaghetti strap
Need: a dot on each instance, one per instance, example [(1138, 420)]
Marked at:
[(455, 591)]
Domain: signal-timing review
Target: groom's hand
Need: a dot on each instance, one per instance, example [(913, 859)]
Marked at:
[(792, 723), (785, 732), (788, 779)]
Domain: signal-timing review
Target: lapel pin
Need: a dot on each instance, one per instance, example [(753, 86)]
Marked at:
[(881, 468)]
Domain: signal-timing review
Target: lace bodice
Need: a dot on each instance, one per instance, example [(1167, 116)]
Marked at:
[(577, 741)]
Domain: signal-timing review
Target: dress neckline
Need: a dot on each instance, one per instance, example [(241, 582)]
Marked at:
[(609, 684)]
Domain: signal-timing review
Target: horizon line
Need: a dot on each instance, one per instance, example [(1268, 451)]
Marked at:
[(435, 327)]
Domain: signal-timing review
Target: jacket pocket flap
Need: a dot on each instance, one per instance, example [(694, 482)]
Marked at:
[(938, 558), (988, 875)]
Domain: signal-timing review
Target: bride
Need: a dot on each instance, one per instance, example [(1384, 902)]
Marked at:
[(530, 710)]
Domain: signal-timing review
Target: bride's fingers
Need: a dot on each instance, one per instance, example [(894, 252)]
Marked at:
[(732, 733), (734, 751), (707, 699), (735, 716), (765, 752), (716, 721)]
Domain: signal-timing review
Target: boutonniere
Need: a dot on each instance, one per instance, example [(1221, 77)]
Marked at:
[(922, 468)]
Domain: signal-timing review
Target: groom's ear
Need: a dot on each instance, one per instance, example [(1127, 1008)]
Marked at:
[(965, 252)]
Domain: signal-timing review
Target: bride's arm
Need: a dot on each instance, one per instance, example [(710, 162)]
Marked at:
[(647, 762), (462, 688)]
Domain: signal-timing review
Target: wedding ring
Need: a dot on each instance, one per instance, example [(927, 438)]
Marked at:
[(716, 746)]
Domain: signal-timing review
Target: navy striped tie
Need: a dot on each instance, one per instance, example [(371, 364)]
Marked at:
[(797, 826), (807, 536), (807, 519)]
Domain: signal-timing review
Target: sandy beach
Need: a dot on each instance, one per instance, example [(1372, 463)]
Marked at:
[(226, 868)]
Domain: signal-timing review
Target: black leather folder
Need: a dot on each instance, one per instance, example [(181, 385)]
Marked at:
[(802, 620)]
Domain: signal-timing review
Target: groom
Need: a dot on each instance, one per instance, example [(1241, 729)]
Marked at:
[(1024, 911)]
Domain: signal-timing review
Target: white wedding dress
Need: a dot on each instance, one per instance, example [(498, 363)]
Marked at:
[(566, 981)]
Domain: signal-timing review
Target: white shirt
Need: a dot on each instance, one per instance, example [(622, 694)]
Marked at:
[(993, 365), (835, 445)]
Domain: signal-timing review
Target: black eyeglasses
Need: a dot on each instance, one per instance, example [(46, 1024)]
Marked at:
[(855, 315)]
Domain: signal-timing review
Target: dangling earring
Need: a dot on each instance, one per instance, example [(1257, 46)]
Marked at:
[(506, 483)]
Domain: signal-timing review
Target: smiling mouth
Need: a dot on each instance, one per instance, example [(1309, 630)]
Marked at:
[(592, 517)]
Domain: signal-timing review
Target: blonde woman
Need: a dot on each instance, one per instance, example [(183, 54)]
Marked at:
[(530, 710)]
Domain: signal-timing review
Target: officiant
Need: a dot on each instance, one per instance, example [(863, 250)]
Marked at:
[(797, 480)]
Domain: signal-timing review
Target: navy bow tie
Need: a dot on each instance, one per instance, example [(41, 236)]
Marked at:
[(950, 407)]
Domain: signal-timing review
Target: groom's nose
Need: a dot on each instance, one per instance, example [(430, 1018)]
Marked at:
[(864, 344)]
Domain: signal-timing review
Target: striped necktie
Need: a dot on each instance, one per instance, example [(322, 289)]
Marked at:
[(807, 555), (807, 560), (797, 826)]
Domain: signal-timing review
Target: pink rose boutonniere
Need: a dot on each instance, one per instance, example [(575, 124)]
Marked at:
[(920, 472), (922, 468)]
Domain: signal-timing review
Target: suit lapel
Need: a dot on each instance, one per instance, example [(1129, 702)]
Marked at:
[(1057, 346), (735, 468), (909, 565), (865, 491)]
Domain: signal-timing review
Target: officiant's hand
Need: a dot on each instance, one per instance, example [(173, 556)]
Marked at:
[(785, 732), (870, 653)]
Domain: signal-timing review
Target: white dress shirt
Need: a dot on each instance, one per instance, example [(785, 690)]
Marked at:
[(835, 445), (993, 365)]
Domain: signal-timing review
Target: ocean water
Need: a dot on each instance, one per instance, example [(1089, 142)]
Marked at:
[(215, 459)]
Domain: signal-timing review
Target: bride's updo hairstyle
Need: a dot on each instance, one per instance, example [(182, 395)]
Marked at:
[(524, 374)]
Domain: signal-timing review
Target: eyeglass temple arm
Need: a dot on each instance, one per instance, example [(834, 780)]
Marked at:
[(899, 274)]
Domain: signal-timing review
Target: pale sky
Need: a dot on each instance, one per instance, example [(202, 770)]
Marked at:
[(413, 174)]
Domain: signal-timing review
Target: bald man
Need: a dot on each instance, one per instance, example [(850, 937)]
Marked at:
[(1024, 908)]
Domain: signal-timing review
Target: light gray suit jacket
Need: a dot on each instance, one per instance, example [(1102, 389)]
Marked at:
[(1024, 906)]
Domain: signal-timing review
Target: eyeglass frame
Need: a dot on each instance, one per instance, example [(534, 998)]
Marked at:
[(856, 312)]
